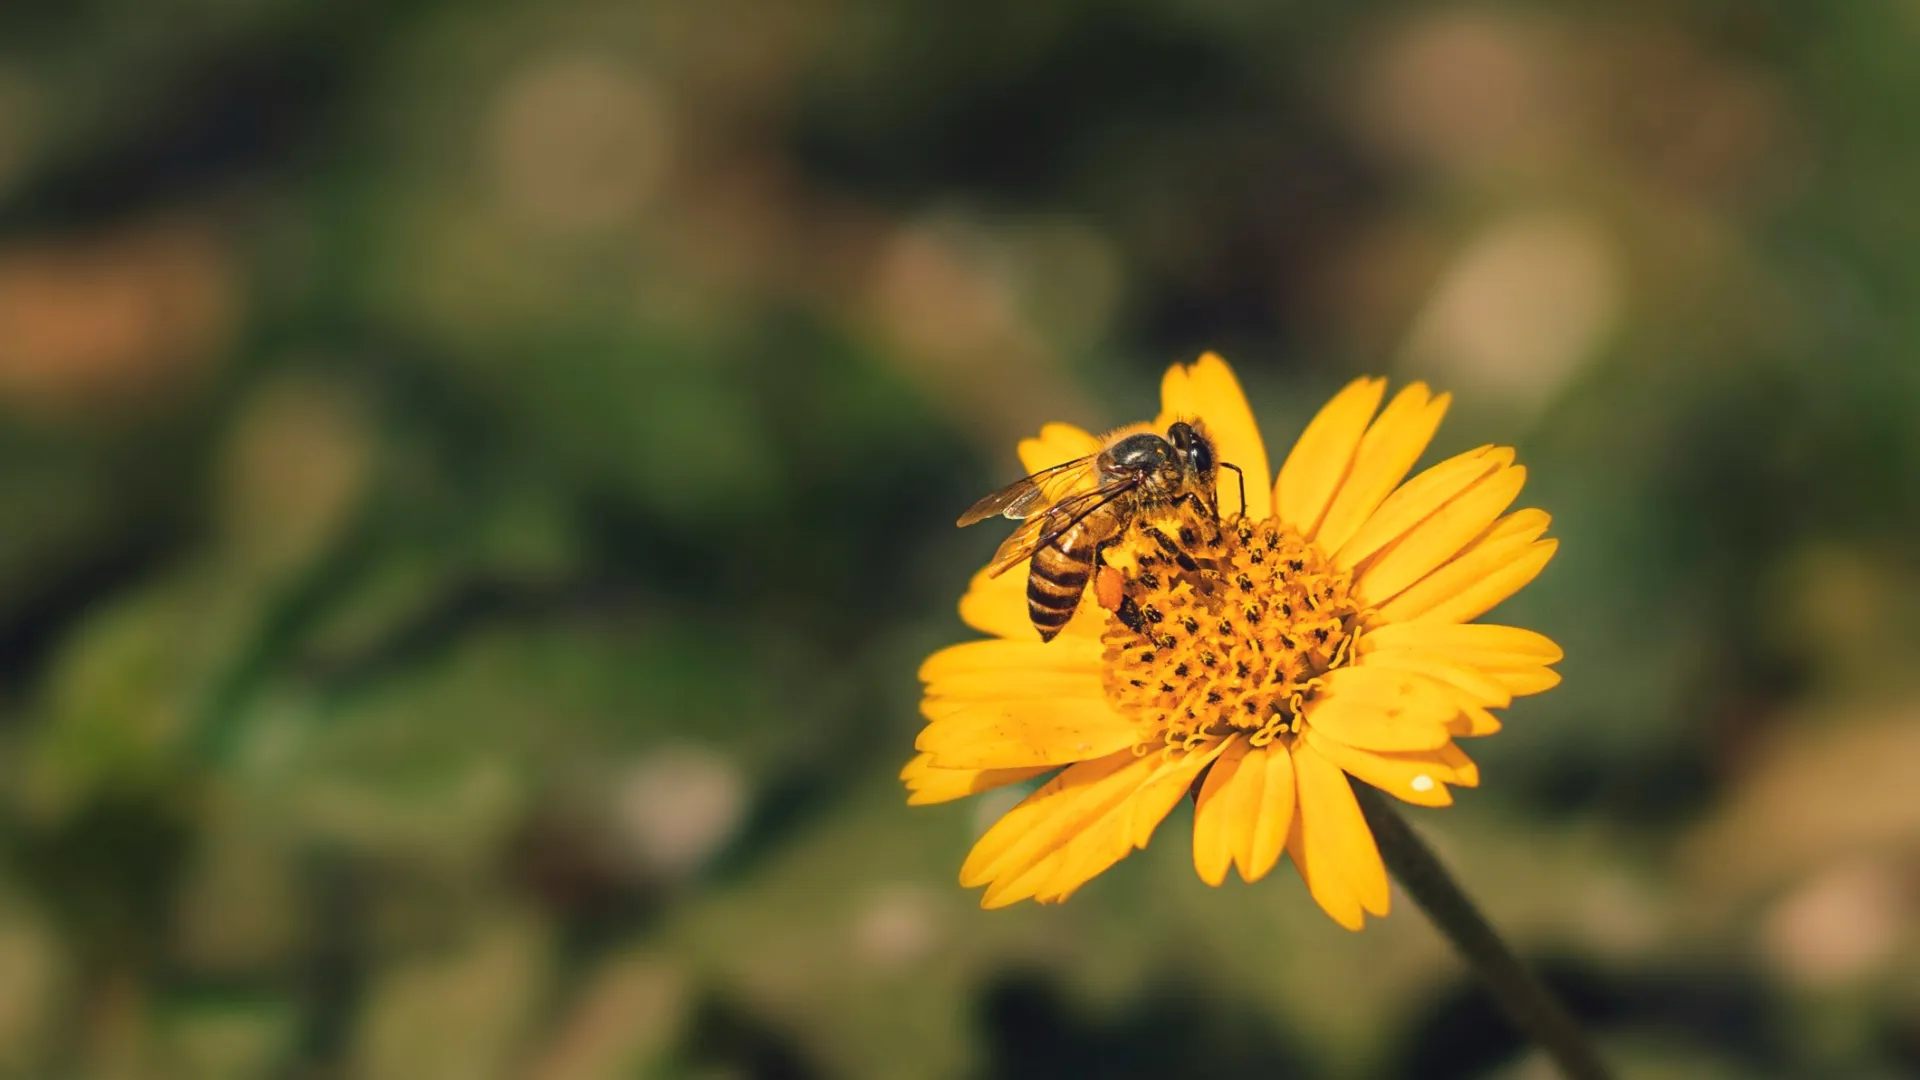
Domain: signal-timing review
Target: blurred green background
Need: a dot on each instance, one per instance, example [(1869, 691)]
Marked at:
[(478, 480)]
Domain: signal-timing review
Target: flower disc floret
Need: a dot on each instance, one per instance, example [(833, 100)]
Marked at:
[(1224, 628)]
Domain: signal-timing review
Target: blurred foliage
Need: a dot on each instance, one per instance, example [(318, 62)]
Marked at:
[(479, 482)]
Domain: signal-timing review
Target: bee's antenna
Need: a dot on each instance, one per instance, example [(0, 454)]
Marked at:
[(1243, 484)]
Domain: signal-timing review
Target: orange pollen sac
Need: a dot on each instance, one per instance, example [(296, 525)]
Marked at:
[(1222, 627)]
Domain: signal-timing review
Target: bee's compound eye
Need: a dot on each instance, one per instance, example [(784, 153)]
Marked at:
[(1200, 456), (1194, 449)]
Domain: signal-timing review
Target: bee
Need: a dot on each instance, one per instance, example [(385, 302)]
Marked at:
[(1073, 511)]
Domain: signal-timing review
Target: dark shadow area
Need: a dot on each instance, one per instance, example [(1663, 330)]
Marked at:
[(1031, 1030), (107, 869), (236, 105), (1103, 111), (1727, 1014), (727, 1039)]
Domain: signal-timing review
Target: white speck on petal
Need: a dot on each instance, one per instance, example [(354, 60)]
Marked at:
[(1423, 782)]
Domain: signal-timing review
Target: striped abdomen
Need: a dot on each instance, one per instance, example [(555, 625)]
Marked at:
[(1058, 577)]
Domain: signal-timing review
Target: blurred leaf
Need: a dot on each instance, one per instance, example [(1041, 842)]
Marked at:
[(462, 1012)]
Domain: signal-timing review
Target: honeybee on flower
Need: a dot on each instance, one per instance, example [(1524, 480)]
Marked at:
[(1323, 631), (1100, 497)]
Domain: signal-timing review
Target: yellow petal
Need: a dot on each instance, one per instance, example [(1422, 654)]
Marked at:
[(1484, 645), (956, 692), (1225, 806), (1056, 445), (1319, 461), (1336, 844), (1507, 541), (1126, 827), (1378, 727), (998, 606), (1327, 887), (1024, 733), (1419, 497), (1162, 793), (1473, 721), (1379, 685), (1464, 771), (1069, 831), (1480, 688), (1244, 812), (1022, 883), (1523, 681), (1208, 390), (1510, 656), (1420, 777), (1493, 568), (1273, 818), (931, 784), (1391, 446), (987, 657), (1045, 820), (1382, 709), (1439, 537), (1084, 858), (1019, 886)]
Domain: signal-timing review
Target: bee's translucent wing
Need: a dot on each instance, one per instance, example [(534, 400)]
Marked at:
[(1038, 531), (1029, 495), (1022, 544)]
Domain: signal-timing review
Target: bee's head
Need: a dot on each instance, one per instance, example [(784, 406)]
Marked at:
[(1194, 451), (1181, 460)]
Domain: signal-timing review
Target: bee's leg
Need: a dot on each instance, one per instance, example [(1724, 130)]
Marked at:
[(1199, 504), (1100, 550), (1173, 550), (1243, 484), (1109, 588), (1207, 514)]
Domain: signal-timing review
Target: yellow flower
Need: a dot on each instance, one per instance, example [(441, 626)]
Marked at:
[(1332, 636)]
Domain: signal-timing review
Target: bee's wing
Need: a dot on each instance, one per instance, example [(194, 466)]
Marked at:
[(1030, 494), (1022, 544), (1040, 530)]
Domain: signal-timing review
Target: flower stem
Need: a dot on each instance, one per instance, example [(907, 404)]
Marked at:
[(1525, 1000)]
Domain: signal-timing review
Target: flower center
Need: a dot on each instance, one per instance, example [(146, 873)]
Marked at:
[(1222, 627)]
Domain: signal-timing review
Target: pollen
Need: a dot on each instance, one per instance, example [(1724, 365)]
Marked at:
[(1222, 627)]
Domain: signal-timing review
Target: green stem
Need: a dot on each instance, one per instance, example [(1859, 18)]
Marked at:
[(1525, 1000)]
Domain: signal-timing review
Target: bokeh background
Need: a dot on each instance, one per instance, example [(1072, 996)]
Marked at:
[(477, 480)]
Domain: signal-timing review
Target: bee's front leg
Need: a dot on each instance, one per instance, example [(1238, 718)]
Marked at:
[(1209, 518), (1172, 549)]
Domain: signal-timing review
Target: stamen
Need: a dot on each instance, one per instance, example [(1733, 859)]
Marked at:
[(1262, 616)]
